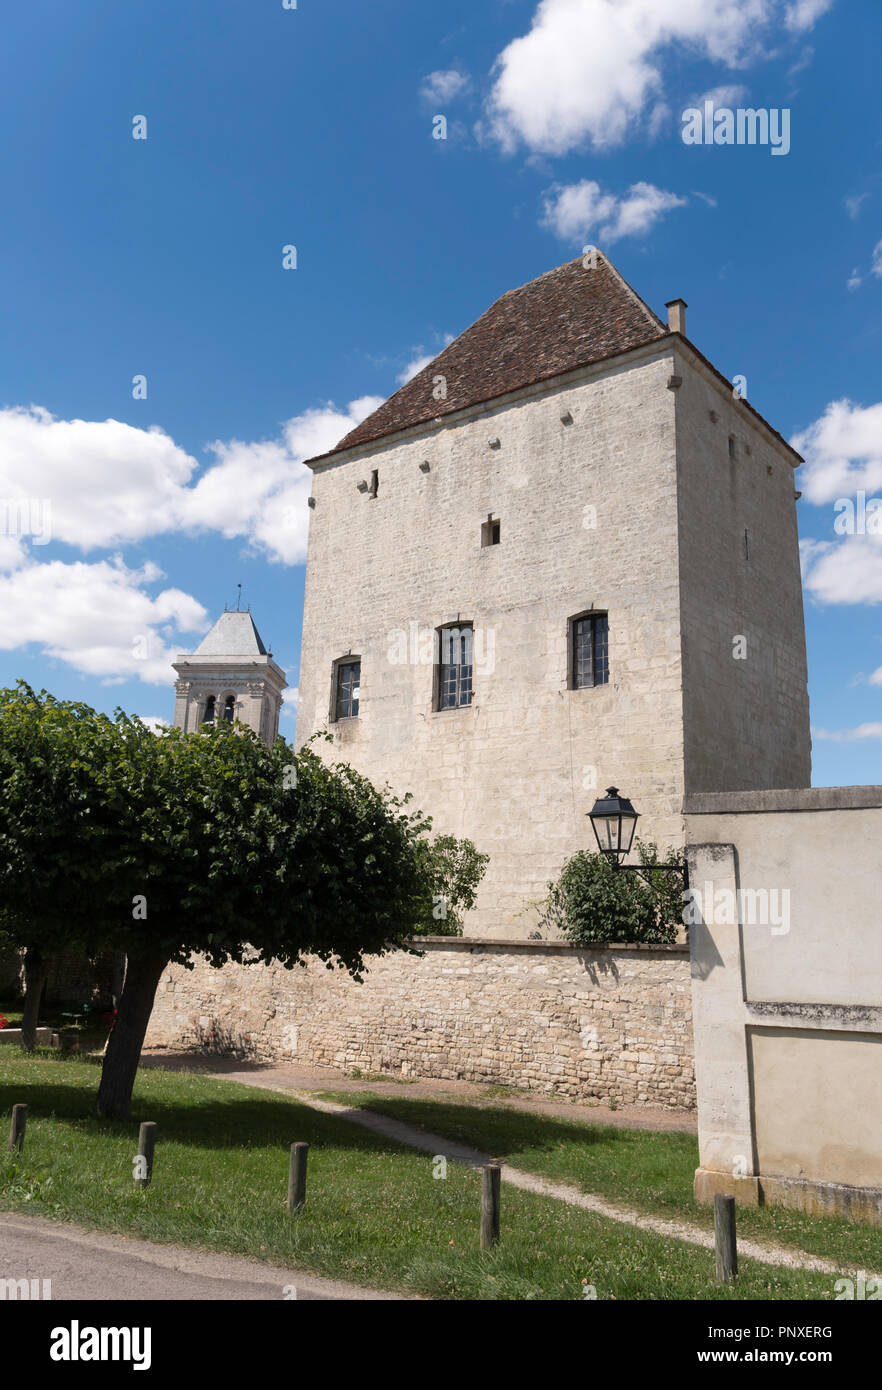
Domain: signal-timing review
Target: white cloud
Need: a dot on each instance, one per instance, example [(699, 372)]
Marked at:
[(810, 551), (414, 367), (843, 452), (290, 698), (98, 618), (443, 86), (107, 483), (802, 62), (862, 731), (420, 360), (581, 209), (153, 722), (659, 119), (589, 70), (96, 484), (856, 279), (12, 551), (853, 205), (847, 571), (259, 490), (801, 14), (730, 96)]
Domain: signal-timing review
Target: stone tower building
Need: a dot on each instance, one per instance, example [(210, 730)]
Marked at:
[(564, 555), (230, 676)]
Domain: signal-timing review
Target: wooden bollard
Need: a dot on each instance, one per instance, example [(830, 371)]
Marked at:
[(724, 1239), (490, 1188), (17, 1128), (297, 1176), (144, 1156)]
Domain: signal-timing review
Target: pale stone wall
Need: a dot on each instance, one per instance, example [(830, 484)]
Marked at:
[(746, 716), (662, 552), (518, 771), (788, 996), (544, 1016)]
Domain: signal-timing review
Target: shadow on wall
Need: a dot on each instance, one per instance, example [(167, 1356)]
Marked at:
[(216, 1040), (595, 966)]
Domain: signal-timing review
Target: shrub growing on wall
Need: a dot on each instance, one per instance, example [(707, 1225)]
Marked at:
[(593, 901), (457, 868)]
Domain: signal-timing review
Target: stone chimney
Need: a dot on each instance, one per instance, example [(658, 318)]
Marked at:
[(677, 315)]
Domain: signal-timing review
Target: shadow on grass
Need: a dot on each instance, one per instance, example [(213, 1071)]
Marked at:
[(208, 1114), (507, 1133)]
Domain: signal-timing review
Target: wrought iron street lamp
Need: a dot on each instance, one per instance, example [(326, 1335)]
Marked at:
[(614, 820)]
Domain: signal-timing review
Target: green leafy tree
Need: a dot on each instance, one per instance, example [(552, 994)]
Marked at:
[(48, 863), (592, 900), (167, 845), (237, 851)]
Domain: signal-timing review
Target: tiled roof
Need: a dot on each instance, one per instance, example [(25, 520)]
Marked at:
[(234, 634), (567, 318)]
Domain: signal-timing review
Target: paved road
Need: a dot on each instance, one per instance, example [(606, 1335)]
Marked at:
[(85, 1264)]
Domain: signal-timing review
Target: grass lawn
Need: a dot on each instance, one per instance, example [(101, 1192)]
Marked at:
[(638, 1168), (374, 1215)]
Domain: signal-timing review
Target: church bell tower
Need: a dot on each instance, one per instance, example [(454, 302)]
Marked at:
[(231, 676)]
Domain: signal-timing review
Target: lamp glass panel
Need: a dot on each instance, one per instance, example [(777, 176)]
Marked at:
[(627, 832), (607, 832)]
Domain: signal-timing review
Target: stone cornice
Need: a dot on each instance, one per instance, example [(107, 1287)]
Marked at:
[(519, 945)]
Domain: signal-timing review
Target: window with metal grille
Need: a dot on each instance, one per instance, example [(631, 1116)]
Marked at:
[(455, 666), (347, 690), (590, 647)]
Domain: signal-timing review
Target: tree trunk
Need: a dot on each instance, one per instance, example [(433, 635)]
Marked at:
[(36, 970), (117, 980), (117, 977), (125, 1042)]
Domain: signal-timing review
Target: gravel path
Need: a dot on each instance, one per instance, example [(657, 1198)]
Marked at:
[(292, 1075), (564, 1192), (289, 1078)]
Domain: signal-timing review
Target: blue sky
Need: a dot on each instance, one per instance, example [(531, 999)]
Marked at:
[(269, 127)]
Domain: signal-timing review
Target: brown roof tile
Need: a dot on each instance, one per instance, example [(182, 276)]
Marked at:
[(567, 318)]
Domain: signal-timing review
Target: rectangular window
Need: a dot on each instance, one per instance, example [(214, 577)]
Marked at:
[(455, 666), (348, 682), (590, 651)]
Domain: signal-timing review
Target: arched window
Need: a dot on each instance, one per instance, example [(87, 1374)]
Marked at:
[(230, 708), (208, 715)]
